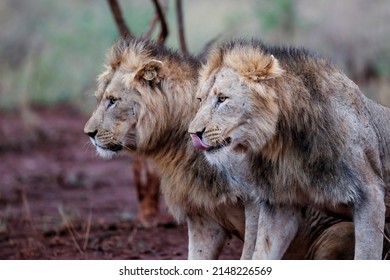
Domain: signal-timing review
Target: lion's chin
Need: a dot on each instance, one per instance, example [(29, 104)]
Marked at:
[(105, 153), (224, 156), (221, 154)]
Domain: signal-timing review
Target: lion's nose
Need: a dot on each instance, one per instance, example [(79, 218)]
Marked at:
[(199, 133), (91, 134)]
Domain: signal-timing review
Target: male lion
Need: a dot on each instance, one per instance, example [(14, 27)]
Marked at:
[(144, 106), (298, 129)]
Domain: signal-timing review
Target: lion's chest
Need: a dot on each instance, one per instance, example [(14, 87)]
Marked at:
[(296, 183)]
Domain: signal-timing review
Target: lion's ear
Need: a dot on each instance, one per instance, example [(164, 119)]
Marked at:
[(266, 69), (149, 71)]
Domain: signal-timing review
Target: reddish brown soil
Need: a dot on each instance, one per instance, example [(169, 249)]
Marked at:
[(58, 200)]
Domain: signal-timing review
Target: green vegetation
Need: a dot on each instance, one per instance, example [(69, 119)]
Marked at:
[(51, 51)]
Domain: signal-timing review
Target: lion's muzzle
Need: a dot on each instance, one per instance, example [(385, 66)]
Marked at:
[(197, 141), (217, 142)]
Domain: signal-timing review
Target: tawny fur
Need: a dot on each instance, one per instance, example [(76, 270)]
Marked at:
[(145, 104), (147, 184), (308, 135)]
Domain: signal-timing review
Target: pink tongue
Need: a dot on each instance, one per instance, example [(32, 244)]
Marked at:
[(198, 142)]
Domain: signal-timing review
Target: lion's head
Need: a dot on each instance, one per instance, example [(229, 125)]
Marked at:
[(141, 82), (236, 88)]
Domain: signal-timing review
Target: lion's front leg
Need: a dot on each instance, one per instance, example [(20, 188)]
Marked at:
[(369, 220), (252, 209), (205, 238), (276, 229)]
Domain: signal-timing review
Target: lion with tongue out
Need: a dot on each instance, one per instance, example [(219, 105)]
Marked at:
[(295, 132), (145, 103)]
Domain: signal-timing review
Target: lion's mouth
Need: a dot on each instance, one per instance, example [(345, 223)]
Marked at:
[(110, 147), (199, 144), (226, 142)]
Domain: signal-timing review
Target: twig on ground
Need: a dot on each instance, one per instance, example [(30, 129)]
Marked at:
[(69, 227), (87, 232), (27, 209)]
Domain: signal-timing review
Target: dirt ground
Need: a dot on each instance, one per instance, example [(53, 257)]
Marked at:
[(58, 200)]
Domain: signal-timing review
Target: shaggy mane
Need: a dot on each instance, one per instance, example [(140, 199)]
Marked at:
[(246, 56), (130, 54)]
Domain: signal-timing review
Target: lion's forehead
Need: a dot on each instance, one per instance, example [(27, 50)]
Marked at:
[(110, 84), (227, 73), (228, 82), (210, 85)]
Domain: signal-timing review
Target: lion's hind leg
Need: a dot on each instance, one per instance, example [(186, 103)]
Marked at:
[(334, 243)]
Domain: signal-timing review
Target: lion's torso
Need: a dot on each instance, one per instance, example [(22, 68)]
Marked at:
[(332, 162), (308, 135), (315, 138)]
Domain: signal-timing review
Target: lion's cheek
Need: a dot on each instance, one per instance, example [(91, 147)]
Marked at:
[(240, 148)]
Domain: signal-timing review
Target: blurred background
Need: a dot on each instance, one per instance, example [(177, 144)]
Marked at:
[(57, 198), (51, 51)]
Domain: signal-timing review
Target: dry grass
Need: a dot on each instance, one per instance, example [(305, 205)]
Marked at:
[(80, 240)]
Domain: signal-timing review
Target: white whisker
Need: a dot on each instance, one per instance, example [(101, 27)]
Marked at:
[(89, 93), (87, 145)]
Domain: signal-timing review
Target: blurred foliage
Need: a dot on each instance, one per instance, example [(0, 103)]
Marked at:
[(51, 51), (276, 14), (48, 49)]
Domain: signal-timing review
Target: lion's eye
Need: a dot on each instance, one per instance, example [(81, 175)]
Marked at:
[(199, 99), (221, 99), (111, 101)]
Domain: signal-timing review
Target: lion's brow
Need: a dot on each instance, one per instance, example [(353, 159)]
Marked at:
[(99, 95), (202, 95)]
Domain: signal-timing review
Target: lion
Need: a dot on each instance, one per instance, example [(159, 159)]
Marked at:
[(295, 127), (144, 107)]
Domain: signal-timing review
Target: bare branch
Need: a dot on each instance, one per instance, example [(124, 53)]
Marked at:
[(164, 28), (180, 24), (153, 22), (203, 53), (120, 22)]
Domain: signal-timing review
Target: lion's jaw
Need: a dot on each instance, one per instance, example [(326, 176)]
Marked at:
[(108, 145), (105, 152)]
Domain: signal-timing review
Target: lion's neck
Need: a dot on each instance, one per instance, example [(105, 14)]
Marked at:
[(169, 141), (188, 183)]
